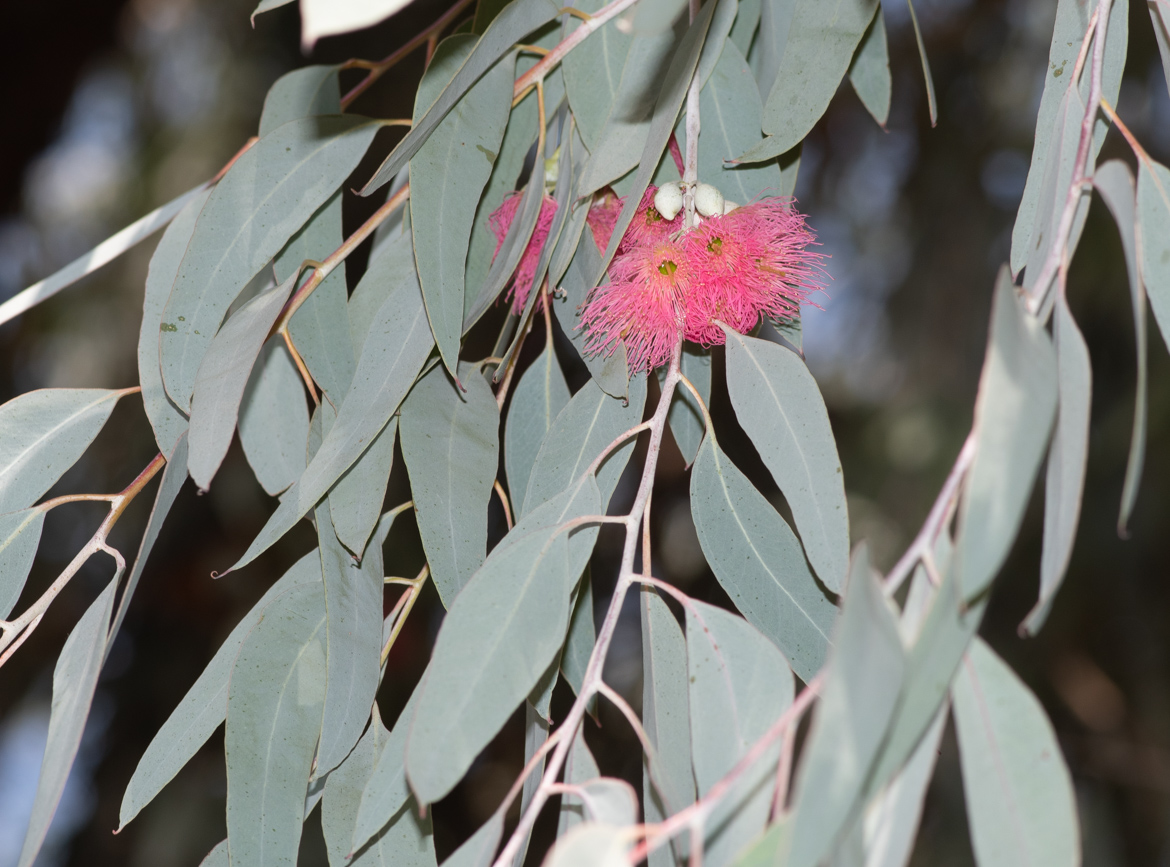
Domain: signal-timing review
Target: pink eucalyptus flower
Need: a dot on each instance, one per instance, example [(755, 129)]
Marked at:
[(642, 304), (500, 221), (648, 225), (754, 261), (603, 216)]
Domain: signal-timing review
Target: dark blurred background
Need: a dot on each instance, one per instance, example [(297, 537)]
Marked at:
[(116, 107)]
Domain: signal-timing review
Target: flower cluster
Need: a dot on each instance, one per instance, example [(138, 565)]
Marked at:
[(500, 221), (666, 282)]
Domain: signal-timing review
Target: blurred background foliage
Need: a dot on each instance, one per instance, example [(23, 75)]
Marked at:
[(114, 107)]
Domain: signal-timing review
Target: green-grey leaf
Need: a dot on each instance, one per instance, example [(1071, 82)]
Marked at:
[(740, 684), (74, 681), (1014, 412), (730, 110), (165, 418), (1067, 455), (869, 73), (303, 92), (353, 636), (1019, 793), (666, 717), (500, 635), (747, 21), (275, 694), (931, 101), (270, 192), (1159, 15), (1115, 183), (685, 415), (42, 434), (582, 636), (769, 849), (450, 443), (1072, 20), (204, 706), (822, 39), (274, 419), (779, 405), (538, 397), (218, 856), (449, 171), (593, 75), (480, 847), (580, 766), (20, 534), (858, 699), (393, 266), (406, 842), (758, 561), (518, 18), (355, 502), (591, 844), (1153, 203), (775, 24), (397, 346), (536, 727), (588, 423), (223, 375)]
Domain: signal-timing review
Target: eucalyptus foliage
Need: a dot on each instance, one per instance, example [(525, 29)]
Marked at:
[(248, 326)]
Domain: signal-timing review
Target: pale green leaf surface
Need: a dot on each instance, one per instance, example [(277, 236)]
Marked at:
[(42, 434), (869, 73), (267, 195), (588, 423), (394, 265), (518, 18), (74, 681), (739, 685), (1159, 16), (582, 636), (537, 398), (759, 562), (266, 6), (536, 727), (223, 376), (1153, 203), (666, 717), (593, 75), (204, 706), (580, 766), (1019, 793), (858, 700), (450, 444), (747, 22), (165, 418), (218, 856), (301, 93), (775, 24), (275, 694), (500, 635), (274, 419), (769, 850), (592, 844), (450, 170), (822, 39), (20, 534), (355, 502), (1115, 182), (931, 101), (685, 416), (397, 346), (779, 405), (1072, 19), (1014, 412), (480, 847)]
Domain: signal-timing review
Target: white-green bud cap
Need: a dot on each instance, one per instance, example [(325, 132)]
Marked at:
[(668, 201), (708, 200), (729, 206)]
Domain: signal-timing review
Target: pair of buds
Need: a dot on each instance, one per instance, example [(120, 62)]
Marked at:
[(709, 202)]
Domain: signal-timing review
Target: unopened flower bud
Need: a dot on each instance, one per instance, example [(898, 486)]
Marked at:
[(708, 200), (729, 206), (668, 201)]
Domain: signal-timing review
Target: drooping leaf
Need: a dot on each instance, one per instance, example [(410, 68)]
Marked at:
[(581, 638), (588, 423), (869, 73), (449, 171), (536, 727), (685, 415), (275, 694), (931, 102), (593, 75), (517, 19), (739, 685), (353, 634), (778, 403), (355, 502), (165, 418), (74, 681), (1019, 793), (204, 706), (537, 398), (266, 196), (775, 24), (1159, 16), (580, 766), (769, 848), (218, 856), (42, 434), (396, 347), (1067, 456), (274, 419), (480, 847), (592, 844), (406, 842), (1114, 181), (759, 562), (822, 39), (20, 534), (500, 635), (450, 443), (747, 22), (223, 376), (858, 700), (393, 265), (1014, 412), (666, 716), (1072, 20), (1153, 204), (303, 92)]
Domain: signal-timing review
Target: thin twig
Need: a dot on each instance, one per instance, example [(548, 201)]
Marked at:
[(499, 489), (411, 596)]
